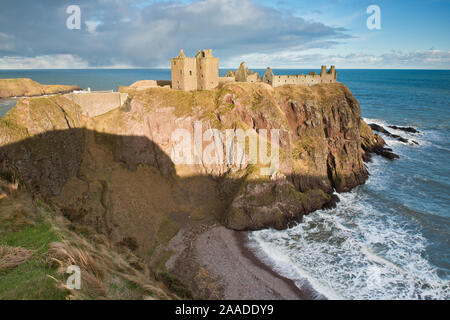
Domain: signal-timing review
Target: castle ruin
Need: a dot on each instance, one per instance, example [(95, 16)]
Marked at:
[(202, 73), (243, 74), (310, 79), (198, 73)]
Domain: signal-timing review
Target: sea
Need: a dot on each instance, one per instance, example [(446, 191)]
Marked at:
[(387, 239)]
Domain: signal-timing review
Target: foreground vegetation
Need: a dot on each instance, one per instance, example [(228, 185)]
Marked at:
[(37, 244)]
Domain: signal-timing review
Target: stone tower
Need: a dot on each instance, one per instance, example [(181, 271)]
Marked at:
[(329, 76), (199, 73), (207, 70), (184, 73), (333, 72)]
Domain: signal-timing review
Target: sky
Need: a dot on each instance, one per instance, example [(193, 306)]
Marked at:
[(412, 34)]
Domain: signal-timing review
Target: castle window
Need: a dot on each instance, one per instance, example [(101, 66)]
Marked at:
[(190, 72), (181, 71), (203, 54), (174, 63)]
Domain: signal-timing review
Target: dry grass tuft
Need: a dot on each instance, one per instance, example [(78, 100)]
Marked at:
[(11, 188), (99, 265), (11, 257), (92, 272)]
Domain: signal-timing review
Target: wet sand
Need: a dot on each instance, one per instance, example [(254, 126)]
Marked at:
[(233, 272)]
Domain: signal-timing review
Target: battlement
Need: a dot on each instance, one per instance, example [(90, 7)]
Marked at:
[(310, 79)]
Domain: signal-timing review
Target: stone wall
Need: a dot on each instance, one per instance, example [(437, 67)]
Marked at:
[(223, 80), (252, 78), (303, 79), (144, 85), (97, 103)]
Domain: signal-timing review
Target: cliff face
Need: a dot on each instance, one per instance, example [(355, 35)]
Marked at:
[(28, 88), (114, 173)]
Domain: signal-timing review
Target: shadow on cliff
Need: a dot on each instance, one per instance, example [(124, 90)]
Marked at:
[(132, 176)]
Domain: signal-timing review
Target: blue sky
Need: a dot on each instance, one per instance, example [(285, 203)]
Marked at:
[(276, 33), (406, 25)]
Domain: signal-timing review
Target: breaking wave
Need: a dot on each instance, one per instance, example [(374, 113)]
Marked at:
[(375, 244), (354, 252)]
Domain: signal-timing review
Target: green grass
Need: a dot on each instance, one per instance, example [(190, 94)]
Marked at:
[(29, 280), (175, 285), (167, 230)]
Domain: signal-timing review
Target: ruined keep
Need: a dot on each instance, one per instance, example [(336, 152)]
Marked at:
[(325, 76), (243, 74), (198, 73)]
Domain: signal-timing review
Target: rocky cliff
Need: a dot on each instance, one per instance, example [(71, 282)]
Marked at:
[(28, 88), (113, 174)]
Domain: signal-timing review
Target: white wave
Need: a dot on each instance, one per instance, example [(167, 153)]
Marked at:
[(354, 252), (371, 255), (358, 251), (269, 254), (423, 138)]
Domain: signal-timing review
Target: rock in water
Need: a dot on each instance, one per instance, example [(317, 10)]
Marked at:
[(406, 129), (387, 153), (399, 138), (379, 128)]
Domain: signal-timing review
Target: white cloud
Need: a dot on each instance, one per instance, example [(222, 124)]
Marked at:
[(427, 59), (6, 42), (143, 33), (59, 61), (148, 36), (92, 25)]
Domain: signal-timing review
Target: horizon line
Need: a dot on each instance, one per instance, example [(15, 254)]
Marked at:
[(223, 68)]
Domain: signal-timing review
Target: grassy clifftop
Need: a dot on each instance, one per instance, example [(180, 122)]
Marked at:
[(24, 87)]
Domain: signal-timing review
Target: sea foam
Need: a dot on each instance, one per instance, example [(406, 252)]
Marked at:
[(366, 248)]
